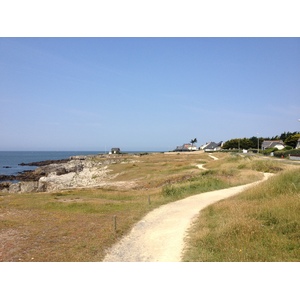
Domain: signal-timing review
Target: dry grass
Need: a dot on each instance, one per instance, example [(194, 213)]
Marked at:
[(66, 226), (77, 225), (155, 170)]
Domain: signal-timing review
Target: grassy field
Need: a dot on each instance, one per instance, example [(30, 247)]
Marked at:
[(261, 225), (79, 225)]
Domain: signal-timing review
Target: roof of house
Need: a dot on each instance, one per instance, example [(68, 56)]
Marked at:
[(181, 148), (271, 144), (213, 145)]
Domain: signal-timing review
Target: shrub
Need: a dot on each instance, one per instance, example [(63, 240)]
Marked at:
[(144, 153), (196, 185), (170, 191), (269, 151)]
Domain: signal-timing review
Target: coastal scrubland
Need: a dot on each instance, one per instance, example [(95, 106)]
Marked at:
[(81, 224)]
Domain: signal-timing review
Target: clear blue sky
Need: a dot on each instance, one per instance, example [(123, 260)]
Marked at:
[(145, 93)]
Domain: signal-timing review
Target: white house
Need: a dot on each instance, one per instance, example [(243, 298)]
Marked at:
[(212, 146), (272, 144), (186, 147)]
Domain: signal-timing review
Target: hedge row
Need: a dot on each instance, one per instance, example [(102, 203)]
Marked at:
[(287, 153)]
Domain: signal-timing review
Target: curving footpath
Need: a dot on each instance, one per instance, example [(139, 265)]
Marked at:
[(159, 236)]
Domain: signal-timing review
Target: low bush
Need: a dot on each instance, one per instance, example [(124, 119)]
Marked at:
[(269, 151)]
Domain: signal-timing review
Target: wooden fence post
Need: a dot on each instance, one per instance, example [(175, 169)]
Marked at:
[(115, 223)]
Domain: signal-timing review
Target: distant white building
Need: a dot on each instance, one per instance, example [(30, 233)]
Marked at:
[(203, 146)]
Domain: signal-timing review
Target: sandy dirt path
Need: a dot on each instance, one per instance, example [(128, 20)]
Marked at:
[(159, 236), (213, 157)]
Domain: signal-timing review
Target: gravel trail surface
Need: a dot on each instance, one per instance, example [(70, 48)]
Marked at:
[(159, 236)]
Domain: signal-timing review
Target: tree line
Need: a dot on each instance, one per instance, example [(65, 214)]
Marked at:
[(289, 139)]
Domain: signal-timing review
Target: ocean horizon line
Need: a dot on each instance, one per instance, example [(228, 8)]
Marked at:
[(94, 151)]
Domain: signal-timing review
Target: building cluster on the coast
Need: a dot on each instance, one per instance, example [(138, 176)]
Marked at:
[(212, 146), (208, 147)]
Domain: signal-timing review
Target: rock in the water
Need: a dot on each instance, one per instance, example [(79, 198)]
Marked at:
[(45, 162)]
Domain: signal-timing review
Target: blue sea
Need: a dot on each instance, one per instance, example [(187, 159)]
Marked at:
[(10, 160)]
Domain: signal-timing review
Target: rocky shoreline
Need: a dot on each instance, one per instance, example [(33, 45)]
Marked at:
[(29, 175), (51, 175)]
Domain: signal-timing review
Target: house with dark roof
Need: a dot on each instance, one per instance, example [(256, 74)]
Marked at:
[(272, 144), (185, 147), (115, 151), (212, 146)]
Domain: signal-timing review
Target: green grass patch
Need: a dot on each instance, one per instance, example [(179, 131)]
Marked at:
[(200, 184)]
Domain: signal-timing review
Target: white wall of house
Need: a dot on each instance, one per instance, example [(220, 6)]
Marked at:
[(279, 146), (212, 150), (192, 148)]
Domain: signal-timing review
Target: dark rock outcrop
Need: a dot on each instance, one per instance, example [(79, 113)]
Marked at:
[(24, 176), (46, 167), (45, 162), (29, 176), (7, 177), (4, 185)]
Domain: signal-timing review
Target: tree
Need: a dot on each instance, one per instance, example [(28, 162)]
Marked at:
[(291, 140), (286, 135), (231, 144), (193, 141), (243, 143)]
